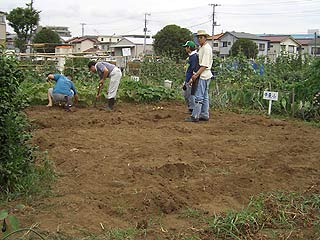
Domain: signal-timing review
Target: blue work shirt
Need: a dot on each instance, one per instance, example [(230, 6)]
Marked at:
[(63, 85), (193, 65)]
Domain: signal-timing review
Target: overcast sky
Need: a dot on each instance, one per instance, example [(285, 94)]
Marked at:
[(103, 17)]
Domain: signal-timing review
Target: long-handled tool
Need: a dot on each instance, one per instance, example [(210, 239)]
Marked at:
[(98, 94)]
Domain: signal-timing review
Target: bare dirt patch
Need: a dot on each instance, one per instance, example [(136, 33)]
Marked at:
[(140, 167)]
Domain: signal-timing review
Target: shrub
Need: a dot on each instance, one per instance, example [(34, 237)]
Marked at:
[(16, 159)]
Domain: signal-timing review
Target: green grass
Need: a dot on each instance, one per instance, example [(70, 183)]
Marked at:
[(273, 215), (37, 183), (129, 233)]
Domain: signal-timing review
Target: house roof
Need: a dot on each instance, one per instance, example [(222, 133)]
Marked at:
[(314, 42), (139, 41), (64, 46), (279, 38), (81, 39), (215, 37), (303, 36), (276, 38), (131, 42), (244, 35), (304, 41)]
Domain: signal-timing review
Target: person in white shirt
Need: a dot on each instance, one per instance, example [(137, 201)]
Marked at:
[(201, 109)]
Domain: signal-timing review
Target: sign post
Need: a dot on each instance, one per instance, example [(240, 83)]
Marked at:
[(126, 52), (271, 96)]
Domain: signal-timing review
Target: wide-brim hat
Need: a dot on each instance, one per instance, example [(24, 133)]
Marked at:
[(202, 33)]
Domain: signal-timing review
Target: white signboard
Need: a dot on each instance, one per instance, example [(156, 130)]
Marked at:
[(126, 52), (270, 95)]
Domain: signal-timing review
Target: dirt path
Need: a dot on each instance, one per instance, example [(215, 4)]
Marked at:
[(138, 166)]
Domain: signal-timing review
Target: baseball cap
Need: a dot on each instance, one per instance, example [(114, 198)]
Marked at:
[(189, 44)]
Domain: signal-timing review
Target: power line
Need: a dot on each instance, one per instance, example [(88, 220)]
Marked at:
[(276, 3), (199, 24), (315, 11), (130, 31), (174, 11)]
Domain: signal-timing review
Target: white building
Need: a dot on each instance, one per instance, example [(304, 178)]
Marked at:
[(227, 40), (2, 28), (281, 44), (106, 41), (81, 44), (136, 46)]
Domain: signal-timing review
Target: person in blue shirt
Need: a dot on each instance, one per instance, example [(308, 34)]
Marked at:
[(63, 91), (192, 67)]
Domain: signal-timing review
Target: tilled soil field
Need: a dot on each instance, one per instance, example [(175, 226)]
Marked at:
[(141, 166)]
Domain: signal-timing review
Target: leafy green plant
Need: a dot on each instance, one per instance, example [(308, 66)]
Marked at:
[(10, 225), (139, 92), (154, 71), (238, 84), (77, 68), (17, 161)]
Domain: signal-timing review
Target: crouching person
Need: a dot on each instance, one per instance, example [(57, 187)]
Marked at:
[(63, 91)]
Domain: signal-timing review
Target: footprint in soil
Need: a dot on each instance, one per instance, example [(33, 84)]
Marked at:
[(158, 116), (167, 202), (175, 170)]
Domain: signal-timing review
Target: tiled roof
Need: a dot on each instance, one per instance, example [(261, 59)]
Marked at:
[(215, 37), (81, 39), (304, 41), (276, 38), (246, 35)]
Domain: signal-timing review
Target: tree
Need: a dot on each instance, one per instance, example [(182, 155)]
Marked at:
[(23, 21), (46, 35), (245, 46), (169, 40)]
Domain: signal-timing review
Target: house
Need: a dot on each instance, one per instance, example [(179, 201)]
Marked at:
[(215, 44), (314, 47), (81, 44), (279, 44), (227, 40), (308, 42), (107, 40), (2, 28), (304, 46), (136, 46)]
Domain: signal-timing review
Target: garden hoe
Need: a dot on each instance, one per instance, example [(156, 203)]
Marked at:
[(98, 94)]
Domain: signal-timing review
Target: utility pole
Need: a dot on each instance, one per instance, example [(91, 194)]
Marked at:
[(145, 32), (213, 21), (82, 24)]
